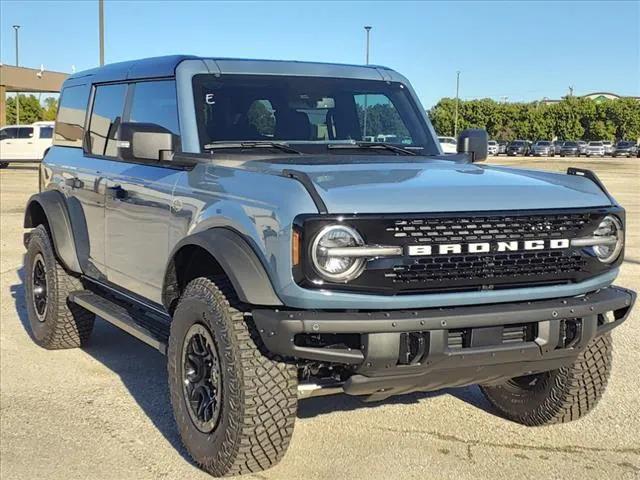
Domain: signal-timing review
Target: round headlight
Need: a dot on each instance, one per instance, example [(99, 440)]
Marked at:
[(331, 267), (610, 227)]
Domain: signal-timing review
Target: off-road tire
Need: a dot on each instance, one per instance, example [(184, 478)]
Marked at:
[(558, 396), (259, 390), (64, 324)]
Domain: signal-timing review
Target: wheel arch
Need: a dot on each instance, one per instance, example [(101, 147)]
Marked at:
[(218, 251), (49, 209)]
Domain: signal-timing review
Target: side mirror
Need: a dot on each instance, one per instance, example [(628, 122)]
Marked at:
[(474, 142), (146, 141)]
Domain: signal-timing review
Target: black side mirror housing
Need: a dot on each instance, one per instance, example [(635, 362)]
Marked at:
[(474, 143), (147, 141)]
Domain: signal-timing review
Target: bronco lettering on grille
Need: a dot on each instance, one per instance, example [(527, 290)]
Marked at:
[(487, 247)]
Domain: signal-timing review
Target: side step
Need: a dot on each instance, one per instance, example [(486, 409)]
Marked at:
[(131, 320)]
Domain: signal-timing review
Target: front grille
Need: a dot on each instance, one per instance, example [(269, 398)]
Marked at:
[(436, 272), (462, 270), (461, 229)]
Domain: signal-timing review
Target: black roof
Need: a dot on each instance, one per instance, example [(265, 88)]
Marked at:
[(166, 67), (146, 67)]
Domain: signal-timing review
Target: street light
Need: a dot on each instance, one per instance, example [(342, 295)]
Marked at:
[(16, 28), (364, 127), (101, 29), (455, 127)]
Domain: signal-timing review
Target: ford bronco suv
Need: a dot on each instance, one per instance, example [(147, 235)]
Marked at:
[(289, 229)]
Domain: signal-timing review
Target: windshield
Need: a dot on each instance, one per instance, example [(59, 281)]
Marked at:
[(595, 144), (517, 143), (569, 144), (544, 143), (308, 112)]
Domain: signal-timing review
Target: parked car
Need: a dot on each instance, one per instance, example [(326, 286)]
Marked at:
[(271, 260), (608, 147), (502, 146), (518, 147), (582, 146), (448, 144), (542, 148), (625, 149), (570, 149), (557, 146), (595, 149), (492, 147), (24, 143)]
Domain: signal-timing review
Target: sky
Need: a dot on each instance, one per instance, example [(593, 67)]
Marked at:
[(520, 50)]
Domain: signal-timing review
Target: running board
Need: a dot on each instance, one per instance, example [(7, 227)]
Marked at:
[(122, 318)]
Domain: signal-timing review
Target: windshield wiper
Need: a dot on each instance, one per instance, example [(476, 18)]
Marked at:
[(388, 146), (282, 146)]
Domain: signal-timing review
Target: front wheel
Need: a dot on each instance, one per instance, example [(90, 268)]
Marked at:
[(4, 165), (557, 396), (234, 403)]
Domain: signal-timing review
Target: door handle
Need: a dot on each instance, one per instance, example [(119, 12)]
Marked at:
[(74, 182), (117, 192)]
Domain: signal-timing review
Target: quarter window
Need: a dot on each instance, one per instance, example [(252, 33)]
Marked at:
[(46, 132), (71, 114), (106, 118)]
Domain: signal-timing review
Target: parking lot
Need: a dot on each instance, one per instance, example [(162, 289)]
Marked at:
[(103, 411)]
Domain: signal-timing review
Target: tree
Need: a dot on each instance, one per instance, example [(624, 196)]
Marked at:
[(50, 108), (30, 109)]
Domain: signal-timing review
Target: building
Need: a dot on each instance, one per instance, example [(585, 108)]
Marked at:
[(19, 79)]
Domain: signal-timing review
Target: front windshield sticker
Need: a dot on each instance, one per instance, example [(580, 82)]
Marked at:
[(209, 99)]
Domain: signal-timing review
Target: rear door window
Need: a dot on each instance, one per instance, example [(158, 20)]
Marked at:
[(25, 132), (106, 117)]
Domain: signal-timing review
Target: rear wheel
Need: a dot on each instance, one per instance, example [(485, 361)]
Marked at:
[(234, 403), (557, 396), (55, 322)]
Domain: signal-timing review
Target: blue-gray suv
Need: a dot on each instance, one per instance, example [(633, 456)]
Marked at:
[(290, 229)]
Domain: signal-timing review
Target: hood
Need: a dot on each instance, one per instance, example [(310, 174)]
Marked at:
[(387, 185)]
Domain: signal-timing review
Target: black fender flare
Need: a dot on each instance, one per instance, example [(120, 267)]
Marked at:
[(53, 205), (236, 258)]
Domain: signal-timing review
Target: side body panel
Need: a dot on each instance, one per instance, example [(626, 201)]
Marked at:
[(137, 221)]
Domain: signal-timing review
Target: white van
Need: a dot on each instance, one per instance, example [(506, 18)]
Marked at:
[(24, 143)]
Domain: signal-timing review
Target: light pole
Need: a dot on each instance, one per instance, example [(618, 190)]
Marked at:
[(455, 126), (16, 28), (101, 29), (366, 106)]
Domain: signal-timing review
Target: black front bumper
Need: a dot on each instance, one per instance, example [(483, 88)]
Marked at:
[(403, 351)]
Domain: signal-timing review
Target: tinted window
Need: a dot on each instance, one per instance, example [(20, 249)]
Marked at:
[(155, 102), (106, 117), (25, 132), (71, 113), (10, 132), (46, 132)]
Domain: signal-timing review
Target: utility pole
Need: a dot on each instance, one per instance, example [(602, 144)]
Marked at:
[(16, 28), (455, 126), (101, 29), (366, 106)]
